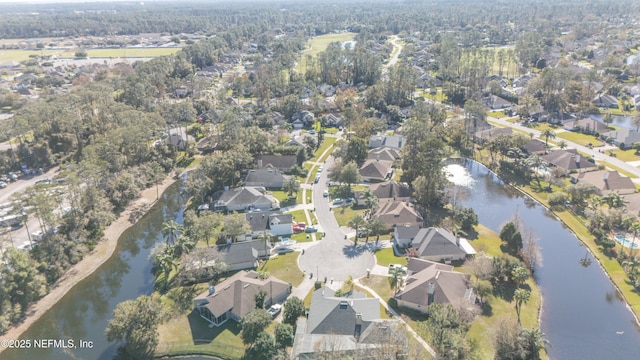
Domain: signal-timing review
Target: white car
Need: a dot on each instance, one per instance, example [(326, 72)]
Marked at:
[(274, 310)]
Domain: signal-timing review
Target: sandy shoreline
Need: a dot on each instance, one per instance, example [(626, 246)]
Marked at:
[(90, 263)]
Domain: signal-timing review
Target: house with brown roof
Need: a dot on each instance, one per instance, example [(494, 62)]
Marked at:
[(606, 181), (535, 146), (586, 126), (376, 170), (283, 163), (236, 297), (569, 161), (429, 282), (391, 190), (397, 212)]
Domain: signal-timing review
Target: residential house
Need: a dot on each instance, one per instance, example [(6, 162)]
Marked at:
[(268, 178), (332, 120), (622, 137), (632, 202), (605, 101), (521, 81), (235, 297), (438, 244), (569, 161), (494, 102), (384, 153), (271, 222), (391, 190), (373, 170), (349, 327), (397, 212), (242, 255), (302, 119), (245, 198), (392, 141), (282, 163), (535, 146), (606, 181), (586, 125), (404, 235), (429, 282), (295, 141)]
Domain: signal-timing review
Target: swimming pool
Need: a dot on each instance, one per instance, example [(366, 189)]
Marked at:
[(626, 242)]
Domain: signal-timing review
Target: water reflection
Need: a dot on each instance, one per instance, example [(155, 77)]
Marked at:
[(85, 311), (582, 311)]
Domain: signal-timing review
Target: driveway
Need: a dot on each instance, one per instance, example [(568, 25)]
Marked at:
[(333, 256)]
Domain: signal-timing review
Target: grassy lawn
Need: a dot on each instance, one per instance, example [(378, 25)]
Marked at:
[(309, 196), (331, 130), (626, 155), (285, 200), (344, 214), (386, 256), (439, 95), (542, 126), (497, 114), (379, 284), (298, 216), (320, 43), (326, 143), (19, 55), (284, 267), (187, 333), (487, 241), (302, 237), (578, 138)]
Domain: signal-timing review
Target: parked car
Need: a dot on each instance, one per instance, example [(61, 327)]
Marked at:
[(312, 132), (274, 310), (3, 184), (311, 229), (44, 181), (320, 169), (325, 193), (315, 181), (338, 201)]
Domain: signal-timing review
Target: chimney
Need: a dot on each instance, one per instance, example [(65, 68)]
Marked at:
[(212, 290), (577, 158), (458, 241), (377, 157), (431, 289), (259, 163)]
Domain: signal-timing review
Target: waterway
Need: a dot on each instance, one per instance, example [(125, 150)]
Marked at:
[(84, 312), (583, 316)]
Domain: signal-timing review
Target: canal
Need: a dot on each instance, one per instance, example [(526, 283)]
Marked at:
[(84, 312), (583, 315)]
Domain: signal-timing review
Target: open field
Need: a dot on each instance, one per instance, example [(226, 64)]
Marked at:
[(319, 44), (20, 55)]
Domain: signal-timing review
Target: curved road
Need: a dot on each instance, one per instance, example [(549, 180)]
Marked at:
[(333, 257)]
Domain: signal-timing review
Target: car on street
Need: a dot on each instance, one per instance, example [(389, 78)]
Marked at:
[(274, 310), (315, 181), (312, 132), (44, 181), (320, 169), (325, 193), (3, 184)]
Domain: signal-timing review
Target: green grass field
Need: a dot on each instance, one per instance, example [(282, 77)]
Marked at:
[(284, 267), (20, 55), (326, 143), (626, 155), (580, 139), (319, 44), (386, 256), (344, 214)]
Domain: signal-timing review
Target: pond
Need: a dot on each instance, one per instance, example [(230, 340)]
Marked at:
[(84, 312), (583, 316)]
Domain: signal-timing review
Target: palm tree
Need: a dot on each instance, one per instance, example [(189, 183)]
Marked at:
[(356, 223), (396, 279), (534, 161), (521, 296), (586, 260), (348, 284), (170, 230), (547, 133), (562, 144), (535, 341), (635, 228), (377, 227), (183, 246), (614, 200), (371, 202)]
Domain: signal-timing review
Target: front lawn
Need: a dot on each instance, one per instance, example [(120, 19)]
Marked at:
[(326, 143), (284, 267), (578, 138), (344, 213), (188, 334), (497, 114), (626, 155), (298, 216), (385, 256), (286, 200), (380, 284)]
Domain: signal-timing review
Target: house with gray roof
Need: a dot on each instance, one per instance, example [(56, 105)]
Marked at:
[(585, 125), (490, 134), (384, 153), (236, 297), (283, 163), (244, 199), (622, 137), (495, 102), (392, 141), (271, 222), (535, 146), (569, 161), (268, 178), (605, 101), (438, 244), (242, 255), (346, 326), (606, 181), (404, 235), (430, 282), (391, 190)]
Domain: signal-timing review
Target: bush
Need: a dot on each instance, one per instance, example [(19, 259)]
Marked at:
[(557, 199), (317, 284)]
